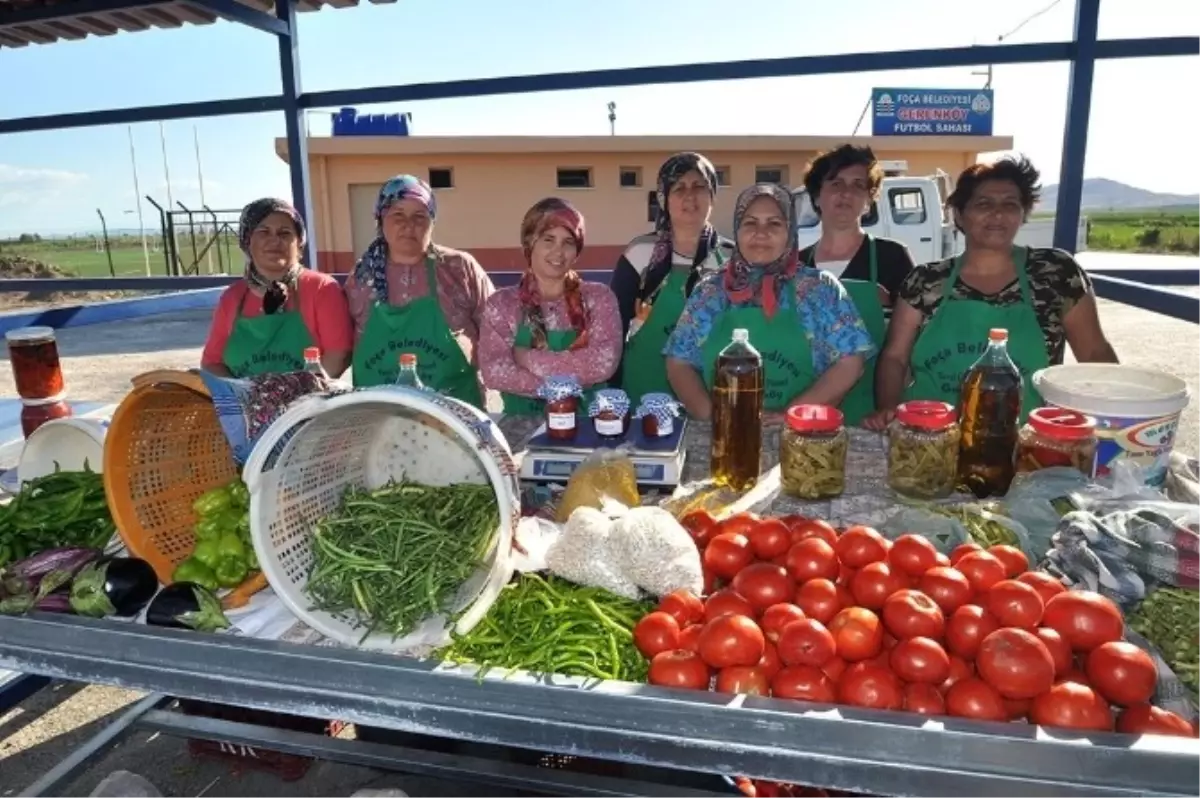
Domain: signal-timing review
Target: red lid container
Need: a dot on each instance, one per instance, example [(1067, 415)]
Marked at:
[(926, 414), (1055, 422), (814, 418)]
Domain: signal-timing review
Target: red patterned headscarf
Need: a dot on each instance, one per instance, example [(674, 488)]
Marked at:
[(740, 274), (545, 214)]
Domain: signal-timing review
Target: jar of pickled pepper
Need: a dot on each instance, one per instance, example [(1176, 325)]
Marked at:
[(561, 395), (1057, 437), (923, 449), (812, 452), (37, 371), (657, 412), (609, 412)]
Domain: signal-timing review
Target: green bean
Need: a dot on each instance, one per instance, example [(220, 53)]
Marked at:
[(1169, 618)]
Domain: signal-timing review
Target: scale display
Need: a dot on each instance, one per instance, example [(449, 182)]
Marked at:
[(657, 462)]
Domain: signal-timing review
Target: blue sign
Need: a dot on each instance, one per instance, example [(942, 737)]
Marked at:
[(931, 112)]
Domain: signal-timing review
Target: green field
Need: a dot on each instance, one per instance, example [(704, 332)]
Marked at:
[(81, 257), (1173, 231)]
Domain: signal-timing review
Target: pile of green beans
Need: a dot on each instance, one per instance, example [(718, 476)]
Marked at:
[(1170, 619), (64, 508), (549, 625), (389, 558)]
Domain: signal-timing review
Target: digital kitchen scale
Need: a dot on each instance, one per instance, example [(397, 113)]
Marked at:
[(658, 462)]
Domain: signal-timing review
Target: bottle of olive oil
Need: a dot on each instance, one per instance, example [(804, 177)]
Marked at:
[(989, 412), (737, 406)]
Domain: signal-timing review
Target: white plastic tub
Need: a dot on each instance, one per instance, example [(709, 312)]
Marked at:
[(71, 443)]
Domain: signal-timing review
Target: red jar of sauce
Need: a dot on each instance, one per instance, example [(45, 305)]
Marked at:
[(35, 414), (37, 371), (658, 412), (561, 395), (609, 412)]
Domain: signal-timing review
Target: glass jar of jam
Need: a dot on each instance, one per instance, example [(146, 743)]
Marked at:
[(657, 412), (561, 395), (1056, 437), (609, 412), (37, 371), (36, 413)]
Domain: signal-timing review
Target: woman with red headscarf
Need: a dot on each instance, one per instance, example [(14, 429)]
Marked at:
[(553, 324)]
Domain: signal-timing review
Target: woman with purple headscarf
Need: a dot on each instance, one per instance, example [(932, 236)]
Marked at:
[(264, 322)]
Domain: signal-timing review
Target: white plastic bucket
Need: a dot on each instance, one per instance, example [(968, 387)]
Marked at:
[(70, 443), (1136, 411)]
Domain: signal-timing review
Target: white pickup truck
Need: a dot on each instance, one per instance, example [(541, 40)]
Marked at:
[(913, 210)]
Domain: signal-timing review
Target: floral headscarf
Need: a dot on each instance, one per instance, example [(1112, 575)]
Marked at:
[(669, 174), (275, 292), (545, 214), (371, 269), (739, 272)]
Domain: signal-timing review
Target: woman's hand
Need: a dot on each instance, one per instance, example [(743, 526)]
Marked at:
[(879, 420)]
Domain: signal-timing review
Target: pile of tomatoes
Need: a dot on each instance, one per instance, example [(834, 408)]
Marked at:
[(796, 610)]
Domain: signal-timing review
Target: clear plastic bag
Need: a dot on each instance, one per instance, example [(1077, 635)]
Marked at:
[(655, 552), (606, 476), (942, 531)]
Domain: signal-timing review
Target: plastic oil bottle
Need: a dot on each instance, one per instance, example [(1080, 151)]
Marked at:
[(408, 372), (989, 413), (737, 405)]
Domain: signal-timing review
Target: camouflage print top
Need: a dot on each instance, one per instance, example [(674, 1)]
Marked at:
[(1056, 281)]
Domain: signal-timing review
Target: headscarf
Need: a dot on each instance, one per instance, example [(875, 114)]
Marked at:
[(371, 269), (275, 292), (739, 272), (545, 214), (669, 174)]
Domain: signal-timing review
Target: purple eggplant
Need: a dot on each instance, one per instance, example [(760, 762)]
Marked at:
[(46, 571), (120, 586)]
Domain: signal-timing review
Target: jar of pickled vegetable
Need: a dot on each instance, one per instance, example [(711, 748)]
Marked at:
[(609, 412), (657, 412), (923, 449), (561, 395), (812, 452), (37, 371), (1056, 437)]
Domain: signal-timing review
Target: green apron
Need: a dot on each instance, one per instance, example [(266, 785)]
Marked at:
[(785, 349), (265, 344), (859, 402), (556, 341), (419, 327), (957, 335)]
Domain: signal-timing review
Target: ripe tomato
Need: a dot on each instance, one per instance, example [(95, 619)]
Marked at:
[(975, 698), (959, 669), (967, 627), (860, 545), (743, 679), (1069, 705), (764, 584), (812, 528), (919, 659), (819, 599), (804, 683), (712, 582), (1084, 619), (812, 558), (740, 523), (1122, 672), (1018, 708), (731, 640), (689, 638), (679, 669), (1046, 585), (701, 526), (806, 642), (946, 586), (770, 662), (962, 550), (912, 554), (923, 699), (770, 538), (726, 602), (874, 582), (684, 606), (981, 569), (728, 553), (1016, 663), (1147, 719), (1014, 560), (857, 633), (942, 560), (910, 613), (834, 667), (864, 685), (1060, 652), (655, 633), (1073, 674), (1015, 604), (778, 616)]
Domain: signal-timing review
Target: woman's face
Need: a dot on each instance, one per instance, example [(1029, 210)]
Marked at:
[(845, 197), (407, 229), (275, 245), (993, 214), (763, 234), (689, 202), (553, 254)]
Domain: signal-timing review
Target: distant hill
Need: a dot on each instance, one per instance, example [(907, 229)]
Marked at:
[(1100, 193)]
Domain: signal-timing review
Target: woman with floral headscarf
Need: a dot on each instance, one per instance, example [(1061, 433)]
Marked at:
[(409, 295), (656, 274), (264, 322), (811, 338), (553, 324)]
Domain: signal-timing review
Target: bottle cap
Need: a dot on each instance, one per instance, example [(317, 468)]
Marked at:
[(741, 335), (1062, 424), (926, 414), (312, 353), (814, 418), (998, 334), (408, 359)]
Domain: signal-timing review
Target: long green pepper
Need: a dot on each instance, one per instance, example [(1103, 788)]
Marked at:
[(64, 508)]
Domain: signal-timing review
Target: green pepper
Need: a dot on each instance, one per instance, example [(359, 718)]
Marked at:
[(231, 572), (192, 570), (231, 547), (239, 494), (243, 528), (252, 559), (208, 552), (209, 528), (212, 502)]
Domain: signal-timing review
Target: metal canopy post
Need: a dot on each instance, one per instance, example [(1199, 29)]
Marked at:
[(296, 124), (1075, 130)]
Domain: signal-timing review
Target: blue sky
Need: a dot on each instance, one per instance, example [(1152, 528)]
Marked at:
[(54, 181)]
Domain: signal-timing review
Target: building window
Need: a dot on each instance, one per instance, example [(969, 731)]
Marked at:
[(574, 177), (631, 177), (908, 205), (441, 177), (771, 174), (723, 179)]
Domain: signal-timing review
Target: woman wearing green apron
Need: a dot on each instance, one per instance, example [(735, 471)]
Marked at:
[(811, 337), (409, 295), (944, 311), (263, 323), (656, 274), (552, 324)]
